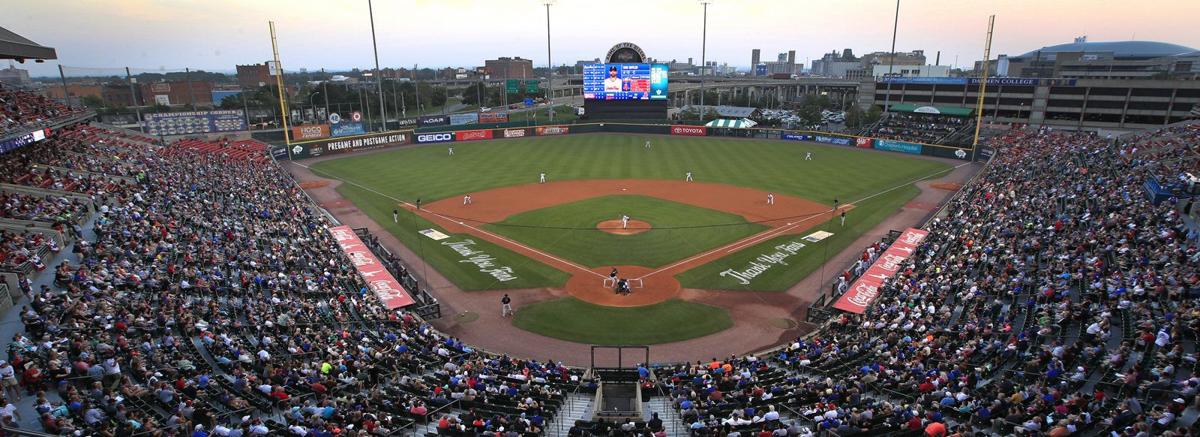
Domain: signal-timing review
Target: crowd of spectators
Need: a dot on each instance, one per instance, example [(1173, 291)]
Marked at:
[(24, 110), (922, 128)]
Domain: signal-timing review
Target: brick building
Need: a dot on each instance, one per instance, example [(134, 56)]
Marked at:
[(509, 68)]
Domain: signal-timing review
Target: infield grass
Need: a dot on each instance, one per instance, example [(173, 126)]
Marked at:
[(574, 320), (675, 232)]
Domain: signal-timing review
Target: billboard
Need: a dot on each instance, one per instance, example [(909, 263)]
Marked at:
[(405, 123), (898, 146), (310, 132), (19, 141), (472, 135), (433, 120), (863, 142), (332, 146), (692, 131), (514, 133), (439, 137), (865, 289), (553, 130), (346, 129), (841, 141), (625, 81), (194, 122), (460, 119), (493, 117), (792, 136), (382, 284)]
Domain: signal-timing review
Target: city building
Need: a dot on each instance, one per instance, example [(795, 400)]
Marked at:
[(785, 63), (175, 93), (755, 57), (253, 76), (837, 65), (915, 57), (879, 71), (1101, 60), (509, 68), (15, 76)]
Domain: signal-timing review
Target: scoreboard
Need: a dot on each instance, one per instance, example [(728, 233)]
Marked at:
[(625, 81)]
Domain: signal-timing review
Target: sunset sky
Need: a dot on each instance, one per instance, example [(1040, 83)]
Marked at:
[(335, 34)]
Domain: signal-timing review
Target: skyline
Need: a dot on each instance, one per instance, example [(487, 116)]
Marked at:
[(149, 35)]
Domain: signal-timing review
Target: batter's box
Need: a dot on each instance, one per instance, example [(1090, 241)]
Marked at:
[(633, 283)]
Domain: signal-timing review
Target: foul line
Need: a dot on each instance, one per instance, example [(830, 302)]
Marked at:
[(738, 245), (415, 210)]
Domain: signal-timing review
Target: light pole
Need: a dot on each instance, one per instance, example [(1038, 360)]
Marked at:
[(550, 64), (378, 77), (703, 48), (891, 61), (325, 94)]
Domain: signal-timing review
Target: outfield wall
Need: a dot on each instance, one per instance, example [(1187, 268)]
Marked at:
[(463, 133)]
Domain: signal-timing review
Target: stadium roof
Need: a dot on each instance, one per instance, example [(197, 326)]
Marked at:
[(1119, 49), (13, 46), (924, 109)]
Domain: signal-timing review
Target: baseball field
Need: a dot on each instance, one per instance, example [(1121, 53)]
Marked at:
[(715, 235)]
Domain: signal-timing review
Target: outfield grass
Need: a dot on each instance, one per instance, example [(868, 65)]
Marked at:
[(428, 173), (574, 320), (807, 260), (578, 240), (467, 276)]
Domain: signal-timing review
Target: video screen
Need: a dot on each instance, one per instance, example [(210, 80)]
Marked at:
[(625, 81)]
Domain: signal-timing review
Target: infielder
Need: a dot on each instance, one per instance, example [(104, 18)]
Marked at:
[(807, 156), (647, 144), (843, 218), (467, 199), (689, 176), (624, 221), (541, 178), (451, 150), (770, 198)]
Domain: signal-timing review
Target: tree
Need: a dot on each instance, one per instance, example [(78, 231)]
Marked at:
[(873, 115), (93, 101), (855, 117)]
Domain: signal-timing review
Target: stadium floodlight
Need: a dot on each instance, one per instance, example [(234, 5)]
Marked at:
[(378, 80), (549, 64), (703, 50)]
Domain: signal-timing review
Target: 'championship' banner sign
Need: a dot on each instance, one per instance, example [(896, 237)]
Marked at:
[(865, 289), (379, 280)]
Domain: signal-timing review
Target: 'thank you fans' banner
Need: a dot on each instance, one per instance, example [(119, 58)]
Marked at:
[(865, 289), (379, 280)]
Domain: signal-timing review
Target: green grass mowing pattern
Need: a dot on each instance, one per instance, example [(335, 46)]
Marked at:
[(574, 320), (781, 277), (593, 248), (465, 275), (771, 165)]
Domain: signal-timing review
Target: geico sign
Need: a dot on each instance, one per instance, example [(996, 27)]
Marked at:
[(433, 138), (514, 133)]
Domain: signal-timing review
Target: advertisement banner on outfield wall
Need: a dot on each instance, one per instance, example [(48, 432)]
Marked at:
[(553, 130), (436, 137), (468, 118), (898, 146), (691, 131), (346, 128), (404, 123), (382, 284), (792, 136), (433, 120), (493, 117), (841, 141), (310, 132), (862, 142), (473, 135), (512, 133), (332, 146)]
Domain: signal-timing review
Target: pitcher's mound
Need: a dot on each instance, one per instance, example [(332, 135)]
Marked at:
[(614, 227)]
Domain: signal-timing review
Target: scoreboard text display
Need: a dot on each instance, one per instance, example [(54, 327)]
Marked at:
[(625, 81)]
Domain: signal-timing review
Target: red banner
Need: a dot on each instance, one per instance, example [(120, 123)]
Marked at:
[(865, 289), (472, 135), (310, 132), (493, 117), (553, 130), (514, 133), (863, 142), (379, 280), (692, 131)]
